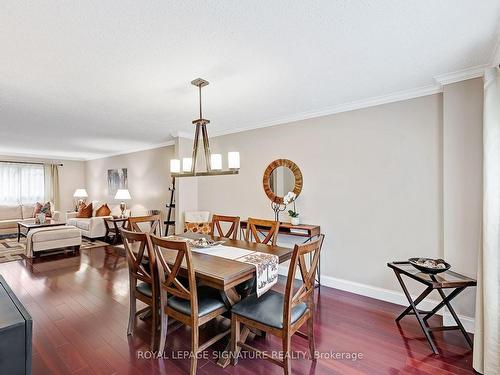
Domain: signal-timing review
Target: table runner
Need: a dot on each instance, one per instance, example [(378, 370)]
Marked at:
[(266, 265)]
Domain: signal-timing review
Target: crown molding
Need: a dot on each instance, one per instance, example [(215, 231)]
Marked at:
[(461, 75), (131, 151), (346, 107)]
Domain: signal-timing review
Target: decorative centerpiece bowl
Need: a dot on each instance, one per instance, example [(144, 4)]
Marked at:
[(428, 265)]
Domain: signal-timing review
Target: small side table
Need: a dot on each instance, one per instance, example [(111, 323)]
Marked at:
[(443, 280), (113, 225)]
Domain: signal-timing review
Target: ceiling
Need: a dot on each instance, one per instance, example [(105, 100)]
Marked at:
[(84, 79)]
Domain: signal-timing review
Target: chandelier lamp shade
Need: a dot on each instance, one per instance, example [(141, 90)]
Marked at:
[(213, 162)]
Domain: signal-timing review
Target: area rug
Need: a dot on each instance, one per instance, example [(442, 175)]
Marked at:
[(11, 250)]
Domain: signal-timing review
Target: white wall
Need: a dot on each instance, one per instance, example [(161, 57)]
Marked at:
[(148, 179), (71, 177), (462, 181)]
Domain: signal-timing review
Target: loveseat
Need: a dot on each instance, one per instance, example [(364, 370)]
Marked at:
[(10, 215), (92, 227)]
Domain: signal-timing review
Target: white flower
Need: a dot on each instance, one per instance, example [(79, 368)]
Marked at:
[(289, 197)]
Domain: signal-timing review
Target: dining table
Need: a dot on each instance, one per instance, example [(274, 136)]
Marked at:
[(225, 274)]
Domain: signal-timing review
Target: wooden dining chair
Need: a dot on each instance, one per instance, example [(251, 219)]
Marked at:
[(143, 280), (153, 220), (280, 314), (253, 231), (232, 232), (191, 305)]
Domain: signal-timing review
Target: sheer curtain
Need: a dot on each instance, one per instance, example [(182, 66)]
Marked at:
[(21, 183), (487, 330)]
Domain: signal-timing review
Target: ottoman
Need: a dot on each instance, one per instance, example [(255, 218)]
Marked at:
[(51, 238)]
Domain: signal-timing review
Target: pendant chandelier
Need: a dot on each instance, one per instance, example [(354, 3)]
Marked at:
[(213, 161)]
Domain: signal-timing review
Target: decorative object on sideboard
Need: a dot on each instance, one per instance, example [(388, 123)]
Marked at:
[(123, 195), (117, 179), (213, 162), (282, 183)]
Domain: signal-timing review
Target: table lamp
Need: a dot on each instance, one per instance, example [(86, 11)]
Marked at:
[(123, 195), (80, 194)]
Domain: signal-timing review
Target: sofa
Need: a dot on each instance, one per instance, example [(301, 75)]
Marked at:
[(10, 215), (92, 227)]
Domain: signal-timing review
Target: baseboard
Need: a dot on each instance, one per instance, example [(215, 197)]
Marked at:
[(388, 295)]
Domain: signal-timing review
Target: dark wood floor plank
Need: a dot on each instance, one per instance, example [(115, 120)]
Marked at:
[(79, 306)]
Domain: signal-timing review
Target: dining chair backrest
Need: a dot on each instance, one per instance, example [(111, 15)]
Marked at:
[(305, 292), (150, 224), (139, 253), (170, 256), (217, 230), (272, 228)]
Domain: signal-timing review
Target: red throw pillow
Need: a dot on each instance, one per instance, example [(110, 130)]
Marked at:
[(103, 210), (84, 211), (37, 209)]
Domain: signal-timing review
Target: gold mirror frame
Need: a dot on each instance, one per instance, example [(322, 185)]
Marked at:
[(267, 175)]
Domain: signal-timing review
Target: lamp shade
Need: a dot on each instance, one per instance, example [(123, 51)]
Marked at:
[(80, 193), (187, 163), (216, 161), (175, 166), (233, 160), (122, 194)]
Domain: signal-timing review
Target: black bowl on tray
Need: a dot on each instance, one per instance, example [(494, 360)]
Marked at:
[(428, 265)]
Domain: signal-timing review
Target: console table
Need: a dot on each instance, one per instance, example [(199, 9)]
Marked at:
[(15, 333), (306, 231)]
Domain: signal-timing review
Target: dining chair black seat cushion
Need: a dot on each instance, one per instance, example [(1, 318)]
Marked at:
[(144, 288), (267, 309), (209, 300)]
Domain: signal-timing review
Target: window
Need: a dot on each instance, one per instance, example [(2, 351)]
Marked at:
[(21, 183)]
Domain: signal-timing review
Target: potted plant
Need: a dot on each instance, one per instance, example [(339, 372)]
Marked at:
[(294, 215)]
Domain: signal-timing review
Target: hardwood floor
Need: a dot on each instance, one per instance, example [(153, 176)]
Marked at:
[(79, 305)]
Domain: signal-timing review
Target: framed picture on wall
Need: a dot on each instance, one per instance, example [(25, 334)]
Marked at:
[(117, 179)]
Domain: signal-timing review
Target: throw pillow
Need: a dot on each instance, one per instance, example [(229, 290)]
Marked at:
[(37, 209), (46, 210), (103, 210), (202, 228), (84, 211)]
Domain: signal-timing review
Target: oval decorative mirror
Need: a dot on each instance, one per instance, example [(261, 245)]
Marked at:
[(280, 177)]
